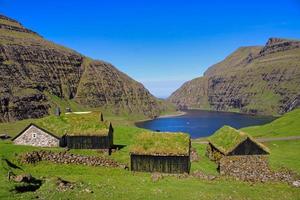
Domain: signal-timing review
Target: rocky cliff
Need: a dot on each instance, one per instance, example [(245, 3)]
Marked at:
[(256, 80), (32, 69)]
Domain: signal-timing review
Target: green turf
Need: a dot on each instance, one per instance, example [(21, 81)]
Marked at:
[(152, 143), (287, 125)]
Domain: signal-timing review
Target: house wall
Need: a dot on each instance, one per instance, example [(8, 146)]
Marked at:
[(248, 167), (163, 164), (248, 147), (41, 139)]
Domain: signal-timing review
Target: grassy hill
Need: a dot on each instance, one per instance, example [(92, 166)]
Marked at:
[(287, 125)]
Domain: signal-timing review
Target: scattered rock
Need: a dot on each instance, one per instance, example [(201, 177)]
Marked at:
[(201, 175), (4, 136), (156, 176), (194, 155), (296, 183), (25, 178), (63, 185), (88, 191)]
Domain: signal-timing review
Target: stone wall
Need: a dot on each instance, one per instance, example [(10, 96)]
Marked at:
[(253, 168), (34, 136), (68, 158)]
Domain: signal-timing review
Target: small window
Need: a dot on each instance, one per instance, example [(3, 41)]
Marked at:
[(33, 135)]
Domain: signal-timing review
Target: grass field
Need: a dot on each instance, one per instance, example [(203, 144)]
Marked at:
[(287, 125), (113, 183)]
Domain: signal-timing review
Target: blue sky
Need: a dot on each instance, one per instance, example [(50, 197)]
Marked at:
[(159, 43)]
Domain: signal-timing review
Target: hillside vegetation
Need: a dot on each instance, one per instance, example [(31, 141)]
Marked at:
[(287, 125), (36, 75), (257, 80)]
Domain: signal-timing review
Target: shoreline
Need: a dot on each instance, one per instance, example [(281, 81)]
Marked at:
[(179, 113)]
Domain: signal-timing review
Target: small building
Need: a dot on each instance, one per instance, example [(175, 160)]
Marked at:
[(228, 141), (89, 139), (34, 135), (161, 152)]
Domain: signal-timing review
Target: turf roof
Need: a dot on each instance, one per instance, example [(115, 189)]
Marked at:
[(75, 124), (153, 143), (227, 139)]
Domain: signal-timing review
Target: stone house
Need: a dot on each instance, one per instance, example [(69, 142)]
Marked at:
[(34, 135), (228, 141)]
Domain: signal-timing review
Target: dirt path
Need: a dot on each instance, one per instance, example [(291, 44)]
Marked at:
[(259, 139)]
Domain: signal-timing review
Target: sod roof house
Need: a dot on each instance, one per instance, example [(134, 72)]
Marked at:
[(101, 138), (161, 152), (228, 141), (34, 135)]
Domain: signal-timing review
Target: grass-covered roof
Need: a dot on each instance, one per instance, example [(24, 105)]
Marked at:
[(75, 124), (227, 138), (153, 143)]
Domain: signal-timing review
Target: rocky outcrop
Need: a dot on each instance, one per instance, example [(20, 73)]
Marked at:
[(256, 80), (32, 70)]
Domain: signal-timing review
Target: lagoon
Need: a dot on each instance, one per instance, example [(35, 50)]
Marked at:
[(199, 123)]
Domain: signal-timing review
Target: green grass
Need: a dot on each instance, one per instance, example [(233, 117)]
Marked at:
[(110, 183), (287, 125), (150, 143), (285, 154)]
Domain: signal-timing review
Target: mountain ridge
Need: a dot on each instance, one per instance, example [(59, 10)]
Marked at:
[(32, 68), (256, 79)]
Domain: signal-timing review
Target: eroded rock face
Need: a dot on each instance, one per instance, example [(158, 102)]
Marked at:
[(256, 80), (33, 69)]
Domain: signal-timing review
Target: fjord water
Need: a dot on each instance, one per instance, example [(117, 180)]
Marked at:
[(200, 123)]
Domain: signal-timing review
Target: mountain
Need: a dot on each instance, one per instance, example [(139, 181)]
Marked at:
[(35, 74), (257, 80)]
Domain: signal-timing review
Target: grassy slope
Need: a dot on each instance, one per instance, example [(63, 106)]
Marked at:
[(117, 183), (287, 125)]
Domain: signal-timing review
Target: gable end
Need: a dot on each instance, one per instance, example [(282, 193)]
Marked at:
[(248, 147)]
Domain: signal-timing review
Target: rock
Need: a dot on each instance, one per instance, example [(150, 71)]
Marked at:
[(4, 136), (63, 185), (296, 183), (156, 176), (88, 190), (194, 155), (25, 178)]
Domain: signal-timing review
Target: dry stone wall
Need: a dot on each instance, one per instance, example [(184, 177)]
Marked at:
[(68, 158), (254, 168)]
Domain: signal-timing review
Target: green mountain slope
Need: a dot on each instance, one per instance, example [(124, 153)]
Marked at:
[(257, 80), (36, 75), (287, 125)]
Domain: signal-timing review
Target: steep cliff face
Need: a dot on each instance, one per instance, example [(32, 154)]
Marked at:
[(257, 80), (31, 68)]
